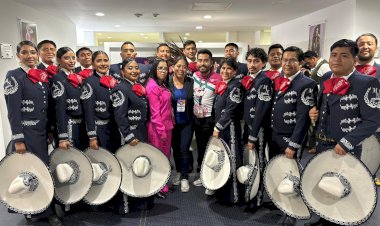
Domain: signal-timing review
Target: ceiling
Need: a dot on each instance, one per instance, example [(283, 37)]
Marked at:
[(177, 16)]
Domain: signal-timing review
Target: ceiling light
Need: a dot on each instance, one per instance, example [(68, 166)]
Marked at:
[(207, 17), (200, 41), (99, 14), (187, 34), (109, 37), (199, 27), (138, 15), (117, 25), (156, 14), (146, 37), (185, 38)]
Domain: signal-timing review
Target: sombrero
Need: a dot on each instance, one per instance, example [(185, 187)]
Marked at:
[(339, 188), (249, 173), (106, 176), (216, 167), (26, 184), (145, 169), (281, 181), (72, 173), (370, 155)]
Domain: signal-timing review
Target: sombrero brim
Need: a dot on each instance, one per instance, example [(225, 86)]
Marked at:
[(150, 184), (274, 173), (250, 156), (214, 180), (353, 209), (68, 193), (101, 193), (371, 154), (32, 202)]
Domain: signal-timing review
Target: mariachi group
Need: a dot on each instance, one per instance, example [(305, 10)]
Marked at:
[(113, 128)]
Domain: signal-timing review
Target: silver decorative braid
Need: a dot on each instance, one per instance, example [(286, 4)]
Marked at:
[(296, 182), (342, 179), (221, 159), (30, 180), (104, 176), (262, 160), (75, 176), (233, 161)]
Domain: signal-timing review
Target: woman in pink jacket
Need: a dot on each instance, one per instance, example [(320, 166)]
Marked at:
[(161, 120)]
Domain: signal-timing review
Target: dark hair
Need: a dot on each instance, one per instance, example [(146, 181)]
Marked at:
[(162, 44), (82, 49), (96, 53), (367, 34), (126, 62), (232, 44), (126, 43), (310, 54), (275, 46), (258, 53), (62, 51), (153, 71), (354, 49), (175, 61), (189, 42), (230, 62), (297, 50), (25, 43), (41, 43), (205, 51)]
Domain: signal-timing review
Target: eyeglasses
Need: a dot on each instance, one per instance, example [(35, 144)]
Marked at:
[(162, 69), (289, 61)]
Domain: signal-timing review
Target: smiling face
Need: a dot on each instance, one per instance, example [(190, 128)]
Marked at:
[(204, 63), (131, 71), (254, 64), (190, 51), (85, 58), (180, 69), (162, 71), (101, 63), (67, 61), (274, 58), (290, 64), (28, 55), (128, 51), (341, 61), (47, 53), (163, 52), (367, 48), (231, 52), (227, 72)]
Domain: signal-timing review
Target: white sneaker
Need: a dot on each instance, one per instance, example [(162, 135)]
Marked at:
[(176, 179), (209, 192), (185, 185), (198, 182)]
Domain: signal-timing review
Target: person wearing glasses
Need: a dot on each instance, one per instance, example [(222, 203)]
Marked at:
[(294, 95), (161, 120)]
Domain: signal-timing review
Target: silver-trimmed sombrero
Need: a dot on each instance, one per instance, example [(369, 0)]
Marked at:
[(72, 174), (370, 154), (145, 169), (106, 176), (26, 184), (281, 181), (249, 173), (339, 188)]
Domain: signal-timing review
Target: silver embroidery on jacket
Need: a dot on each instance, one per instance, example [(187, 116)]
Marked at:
[(10, 86)]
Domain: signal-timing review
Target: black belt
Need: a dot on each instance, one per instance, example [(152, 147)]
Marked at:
[(322, 137)]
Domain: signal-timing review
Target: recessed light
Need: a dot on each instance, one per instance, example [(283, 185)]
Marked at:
[(199, 27), (185, 38), (99, 14), (117, 25), (187, 34), (200, 41), (207, 17), (109, 37)]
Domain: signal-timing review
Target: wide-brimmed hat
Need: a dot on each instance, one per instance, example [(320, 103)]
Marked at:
[(26, 184), (282, 181), (216, 167), (370, 155), (339, 188), (106, 176), (249, 173), (145, 169), (72, 173)]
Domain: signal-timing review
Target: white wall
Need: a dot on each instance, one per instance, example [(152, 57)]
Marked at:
[(340, 23), (56, 28)]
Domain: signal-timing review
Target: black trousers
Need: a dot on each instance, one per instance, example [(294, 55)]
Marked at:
[(203, 128), (181, 141)]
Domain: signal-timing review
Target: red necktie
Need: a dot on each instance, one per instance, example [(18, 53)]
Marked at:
[(281, 84), (220, 88), (51, 70), (85, 73), (108, 81), (272, 74), (37, 75), (138, 89), (337, 86), (367, 69), (247, 82), (75, 79)]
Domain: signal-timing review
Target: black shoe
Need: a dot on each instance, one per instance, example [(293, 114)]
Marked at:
[(54, 220), (251, 208), (321, 222), (289, 221), (161, 195)]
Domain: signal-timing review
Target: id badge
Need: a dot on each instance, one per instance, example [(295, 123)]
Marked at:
[(181, 105)]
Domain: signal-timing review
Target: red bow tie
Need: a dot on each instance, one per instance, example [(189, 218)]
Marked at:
[(247, 82), (85, 73), (337, 86), (220, 88), (367, 69), (281, 84), (75, 79), (51, 70), (138, 89), (37, 75), (108, 81), (193, 67), (272, 74)]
